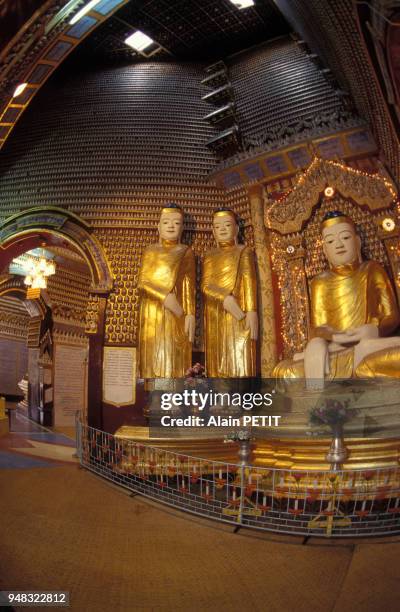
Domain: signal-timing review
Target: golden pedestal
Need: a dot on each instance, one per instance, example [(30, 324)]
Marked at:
[(291, 453), (372, 437)]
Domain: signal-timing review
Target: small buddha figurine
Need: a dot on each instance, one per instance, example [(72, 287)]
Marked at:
[(353, 313), (167, 301), (229, 287)]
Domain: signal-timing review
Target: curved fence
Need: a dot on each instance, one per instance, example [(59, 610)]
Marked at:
[(343, 503)]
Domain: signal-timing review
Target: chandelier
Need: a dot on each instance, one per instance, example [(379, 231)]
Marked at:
[(38, 269), (35, 266)]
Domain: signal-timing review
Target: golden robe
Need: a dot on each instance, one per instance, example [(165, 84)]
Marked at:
[(230, 352), (164, 348), (347, 297)]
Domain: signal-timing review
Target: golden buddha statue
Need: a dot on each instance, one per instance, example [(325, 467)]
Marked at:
[(229, 287), (353, 313), (167, 301)]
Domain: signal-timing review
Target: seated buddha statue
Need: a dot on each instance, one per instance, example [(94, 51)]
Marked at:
[(353, 314)]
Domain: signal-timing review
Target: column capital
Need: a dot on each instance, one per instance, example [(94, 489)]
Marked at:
[(255, 190)]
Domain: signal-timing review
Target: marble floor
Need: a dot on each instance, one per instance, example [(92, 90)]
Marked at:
[(29, 444), (66, 529)]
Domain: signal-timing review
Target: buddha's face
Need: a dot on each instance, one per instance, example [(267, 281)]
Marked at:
[(170, 226), (341, 244), (225, 228)]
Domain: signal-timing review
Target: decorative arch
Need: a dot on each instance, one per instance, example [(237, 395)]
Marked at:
[(56, 226), (375, 192), (28, 229), (39, 48)]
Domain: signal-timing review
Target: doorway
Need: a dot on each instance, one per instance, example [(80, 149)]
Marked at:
[(43, 343)]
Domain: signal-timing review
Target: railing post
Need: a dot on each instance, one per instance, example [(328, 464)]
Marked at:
[(78, 436), (240, 511), (244, 455)]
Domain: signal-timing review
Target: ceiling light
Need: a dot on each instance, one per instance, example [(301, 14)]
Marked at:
[(36, 266), (139, 41), (88, 7), (19, 89), (242, 4)]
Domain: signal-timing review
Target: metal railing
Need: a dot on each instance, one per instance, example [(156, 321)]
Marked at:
[(343, 503)]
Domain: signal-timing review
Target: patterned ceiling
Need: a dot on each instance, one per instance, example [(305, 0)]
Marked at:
[(188, 29)]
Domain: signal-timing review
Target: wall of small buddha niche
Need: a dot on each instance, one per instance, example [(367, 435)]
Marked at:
[(116, 171), (279, 91), (333, 31), (14, 320), (113, 145), (68, 292)]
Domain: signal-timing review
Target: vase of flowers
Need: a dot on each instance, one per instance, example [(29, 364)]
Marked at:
[(195, 372), (244, 439)]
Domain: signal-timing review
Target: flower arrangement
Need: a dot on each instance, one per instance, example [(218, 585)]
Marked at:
[(242, 435), (194, 375), (195, 379), (195, 371), (332, 412)]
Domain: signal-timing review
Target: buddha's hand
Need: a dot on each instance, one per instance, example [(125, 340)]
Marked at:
[(252, 324), (356, 334), (364, 332), (190, 324), (324, 331), (230, 304), (172, 304)]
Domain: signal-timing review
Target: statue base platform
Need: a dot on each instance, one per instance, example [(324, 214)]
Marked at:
[(284, 453), (372, 436)]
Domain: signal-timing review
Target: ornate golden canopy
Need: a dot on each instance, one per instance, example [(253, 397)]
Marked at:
[(289, 214)]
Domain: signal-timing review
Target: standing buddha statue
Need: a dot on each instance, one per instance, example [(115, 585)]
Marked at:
[(167, 301), (229, 287)]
